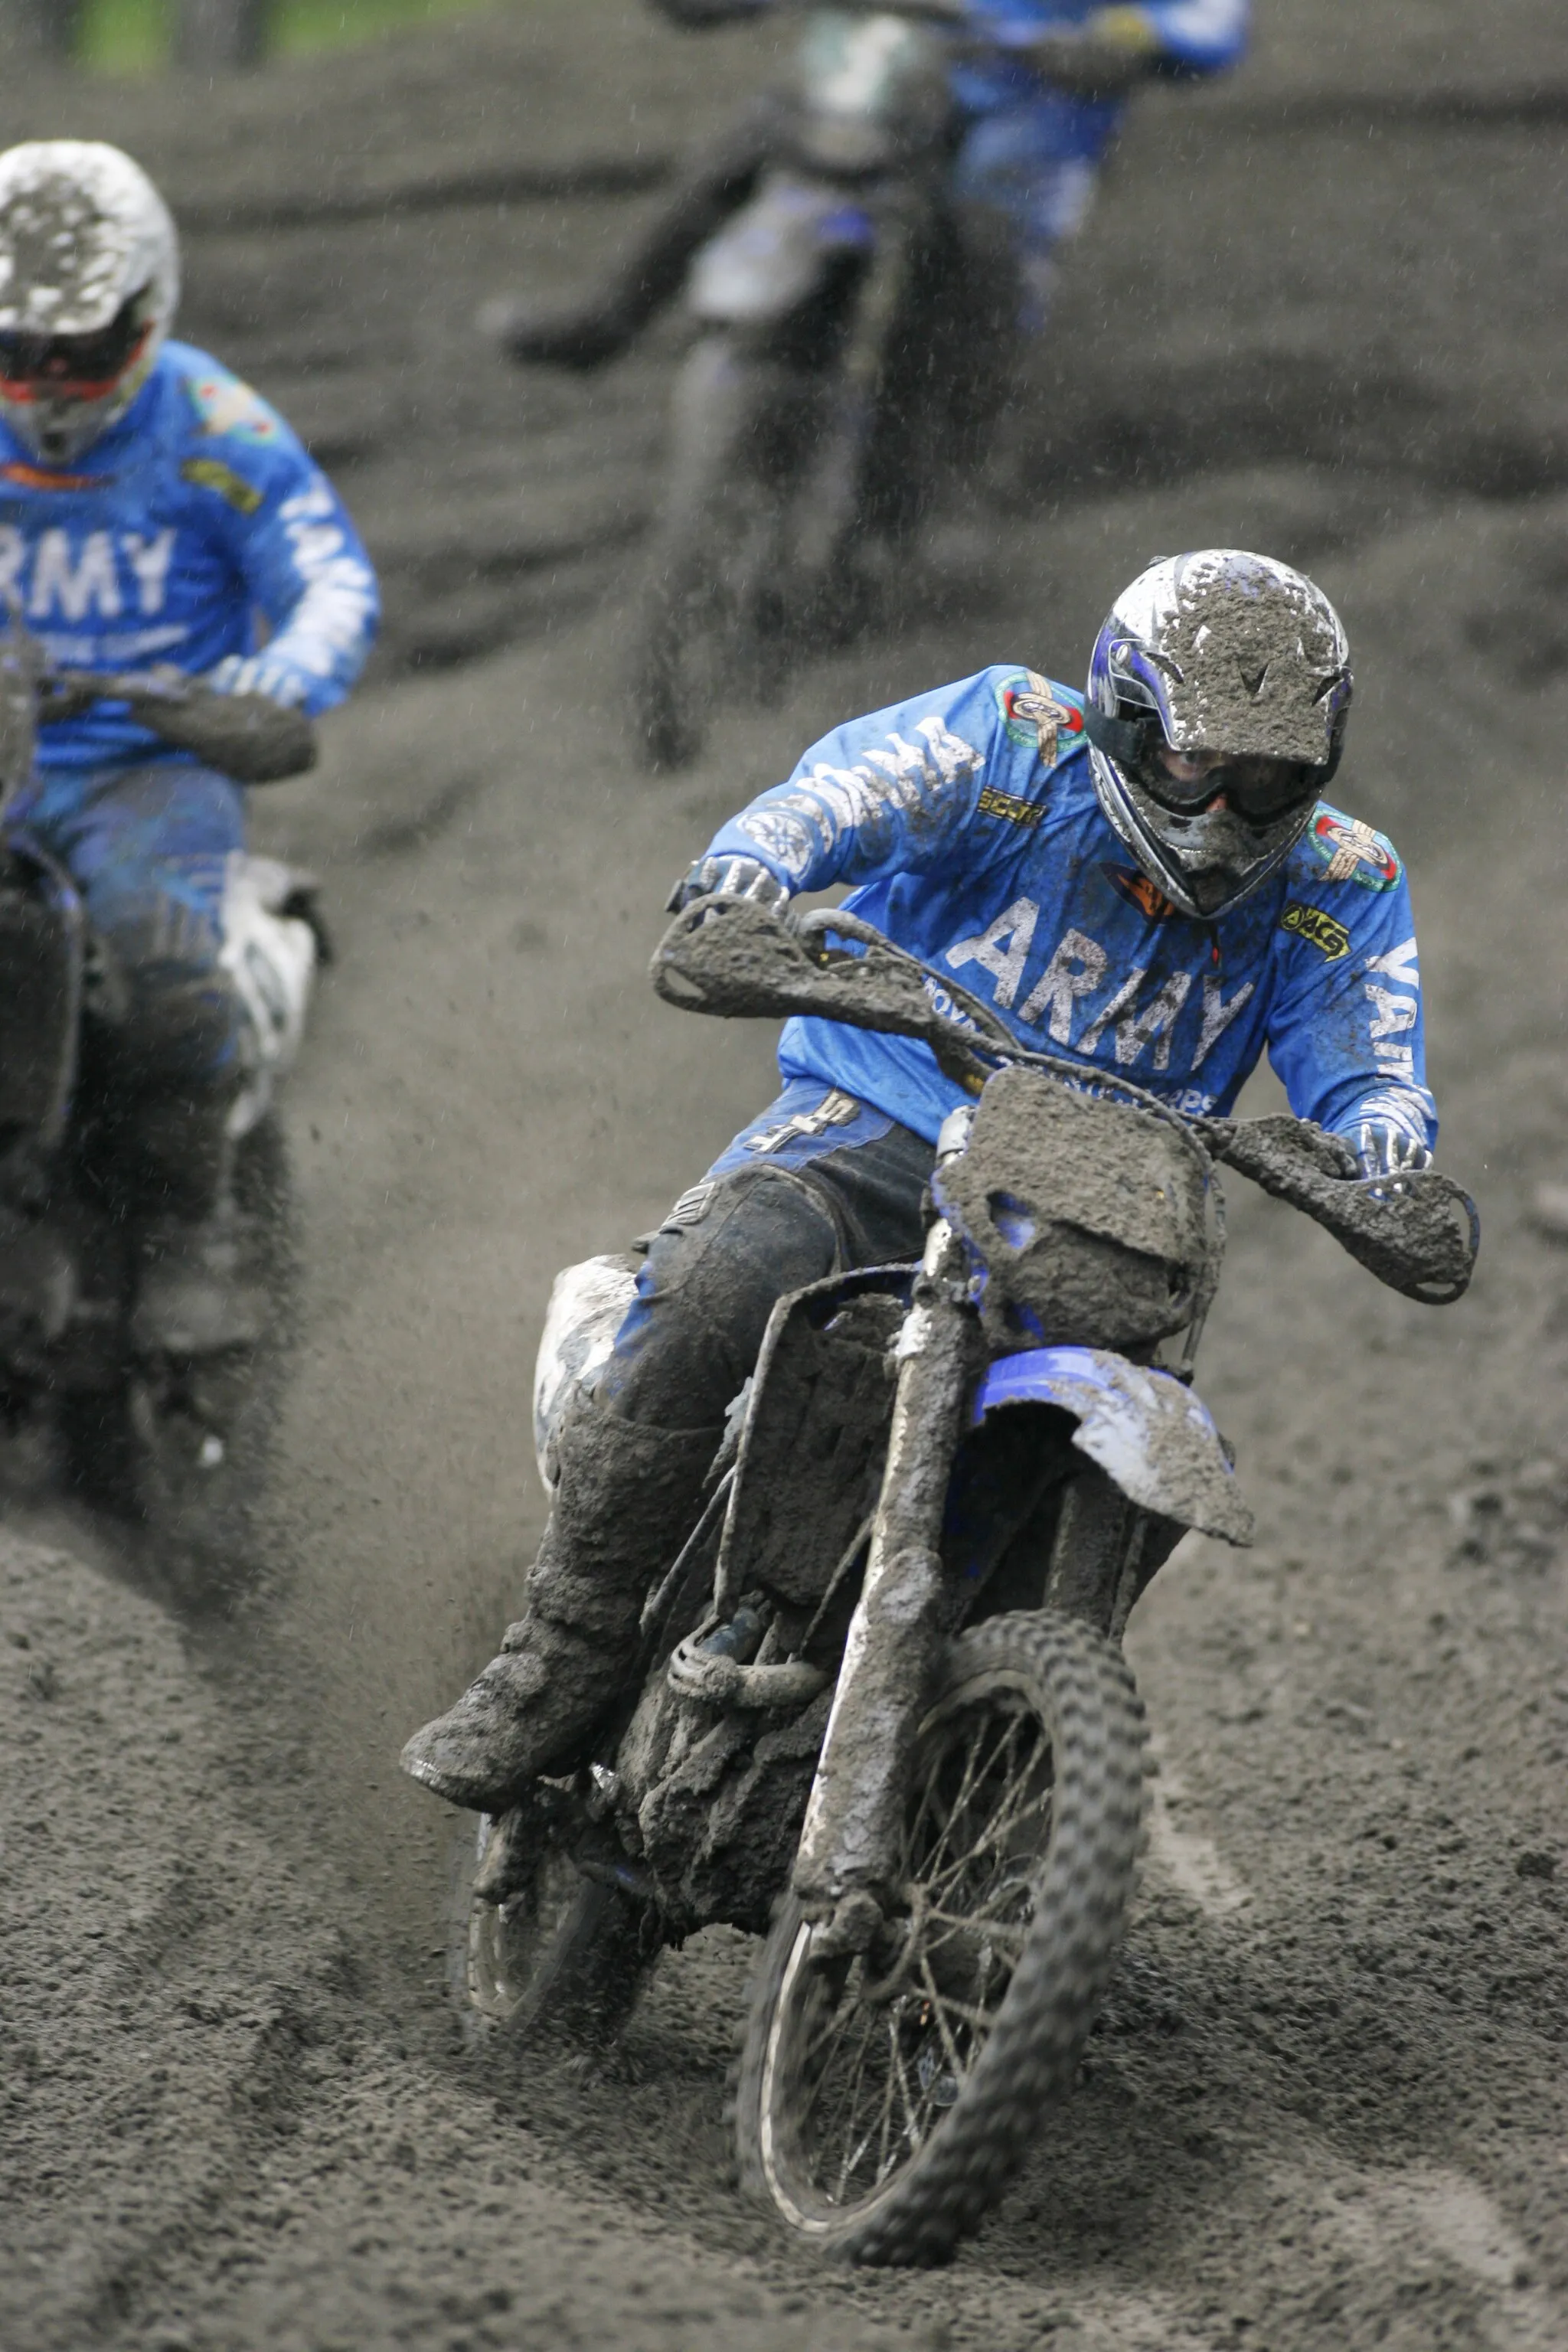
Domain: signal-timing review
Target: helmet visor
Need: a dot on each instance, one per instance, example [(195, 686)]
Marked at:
[(73, 367)]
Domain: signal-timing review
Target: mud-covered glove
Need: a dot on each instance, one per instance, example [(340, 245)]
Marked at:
[(1384, 1153), (257, 674), (737, 877), (1102, 57), (246, 733), (67, 694)]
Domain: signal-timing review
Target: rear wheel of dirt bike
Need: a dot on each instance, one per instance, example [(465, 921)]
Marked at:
[(182, 1447), (562, 1959), (884, 2102), (711, 613)]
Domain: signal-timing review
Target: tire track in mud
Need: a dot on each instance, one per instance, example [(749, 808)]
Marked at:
[(238, 2144)]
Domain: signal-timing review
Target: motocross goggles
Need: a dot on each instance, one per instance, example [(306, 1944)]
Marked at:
[(1259, 789), (73, 367)]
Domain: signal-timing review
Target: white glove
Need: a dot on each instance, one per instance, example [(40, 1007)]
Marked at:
[(255, 674), (1384, 1153), (736, 878)]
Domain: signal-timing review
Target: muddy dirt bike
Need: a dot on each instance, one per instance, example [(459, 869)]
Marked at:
[(884, 1720), (174, 1439), (832, 384)]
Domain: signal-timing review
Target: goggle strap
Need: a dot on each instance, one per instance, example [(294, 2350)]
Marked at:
[(1125, 741)]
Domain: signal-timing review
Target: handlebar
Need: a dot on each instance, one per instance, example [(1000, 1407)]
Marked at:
[(735, 958), (248, 736)]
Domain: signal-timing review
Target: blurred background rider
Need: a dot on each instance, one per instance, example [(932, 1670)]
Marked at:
[(155, 515), (1039, 88)]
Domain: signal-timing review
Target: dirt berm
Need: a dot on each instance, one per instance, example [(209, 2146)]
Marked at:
[(1320, 310)]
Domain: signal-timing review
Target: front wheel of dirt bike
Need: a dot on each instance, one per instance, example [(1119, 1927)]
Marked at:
[(884, 2102), (711, 605), (564, 1957)]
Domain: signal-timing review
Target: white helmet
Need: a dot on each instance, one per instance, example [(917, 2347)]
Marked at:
[(1218, 692), (89, 277)]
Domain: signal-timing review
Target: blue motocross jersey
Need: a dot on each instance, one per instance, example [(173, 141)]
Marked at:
[(1184, 38), (969, 820), (194, 529)]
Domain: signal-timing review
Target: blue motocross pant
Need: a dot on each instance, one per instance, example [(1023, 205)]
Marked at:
[(148, 849), (1025, 164), (818, 1183)]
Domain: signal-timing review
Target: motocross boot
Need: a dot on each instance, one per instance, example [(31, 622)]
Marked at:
[(588, 333), (199, 1288), (627, 1498)]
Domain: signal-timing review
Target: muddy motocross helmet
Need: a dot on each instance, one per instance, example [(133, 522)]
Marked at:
[(89, 277), (1218, 692)]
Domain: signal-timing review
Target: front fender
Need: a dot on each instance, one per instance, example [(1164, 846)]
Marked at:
[(776, 253), (1150, 1434)]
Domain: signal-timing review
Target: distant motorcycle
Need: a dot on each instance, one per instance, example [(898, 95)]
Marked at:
[(884, 1720), (833, 385), (178, 1440)]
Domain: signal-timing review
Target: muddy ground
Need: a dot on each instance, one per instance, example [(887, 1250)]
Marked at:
[(1320, 310)]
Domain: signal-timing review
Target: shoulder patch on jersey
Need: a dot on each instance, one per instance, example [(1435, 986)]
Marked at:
[(1320, 929), (226, 407), (1350, 851), (1039, 715), (1009, 807), (212, 473)]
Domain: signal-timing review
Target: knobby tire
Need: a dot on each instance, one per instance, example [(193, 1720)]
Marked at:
[(1073, 1893), (570, 1971)]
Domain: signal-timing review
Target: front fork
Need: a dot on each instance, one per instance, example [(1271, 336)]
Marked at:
[(848, 1859)]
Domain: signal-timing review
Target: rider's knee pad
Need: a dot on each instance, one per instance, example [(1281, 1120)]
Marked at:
[(707, 1288)]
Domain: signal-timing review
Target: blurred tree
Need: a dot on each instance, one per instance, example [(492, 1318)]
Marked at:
[(48, 28), (223, 33)]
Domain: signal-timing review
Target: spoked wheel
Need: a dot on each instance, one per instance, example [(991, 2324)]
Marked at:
[(712, 608), (562, 1956), (885, 2101)]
